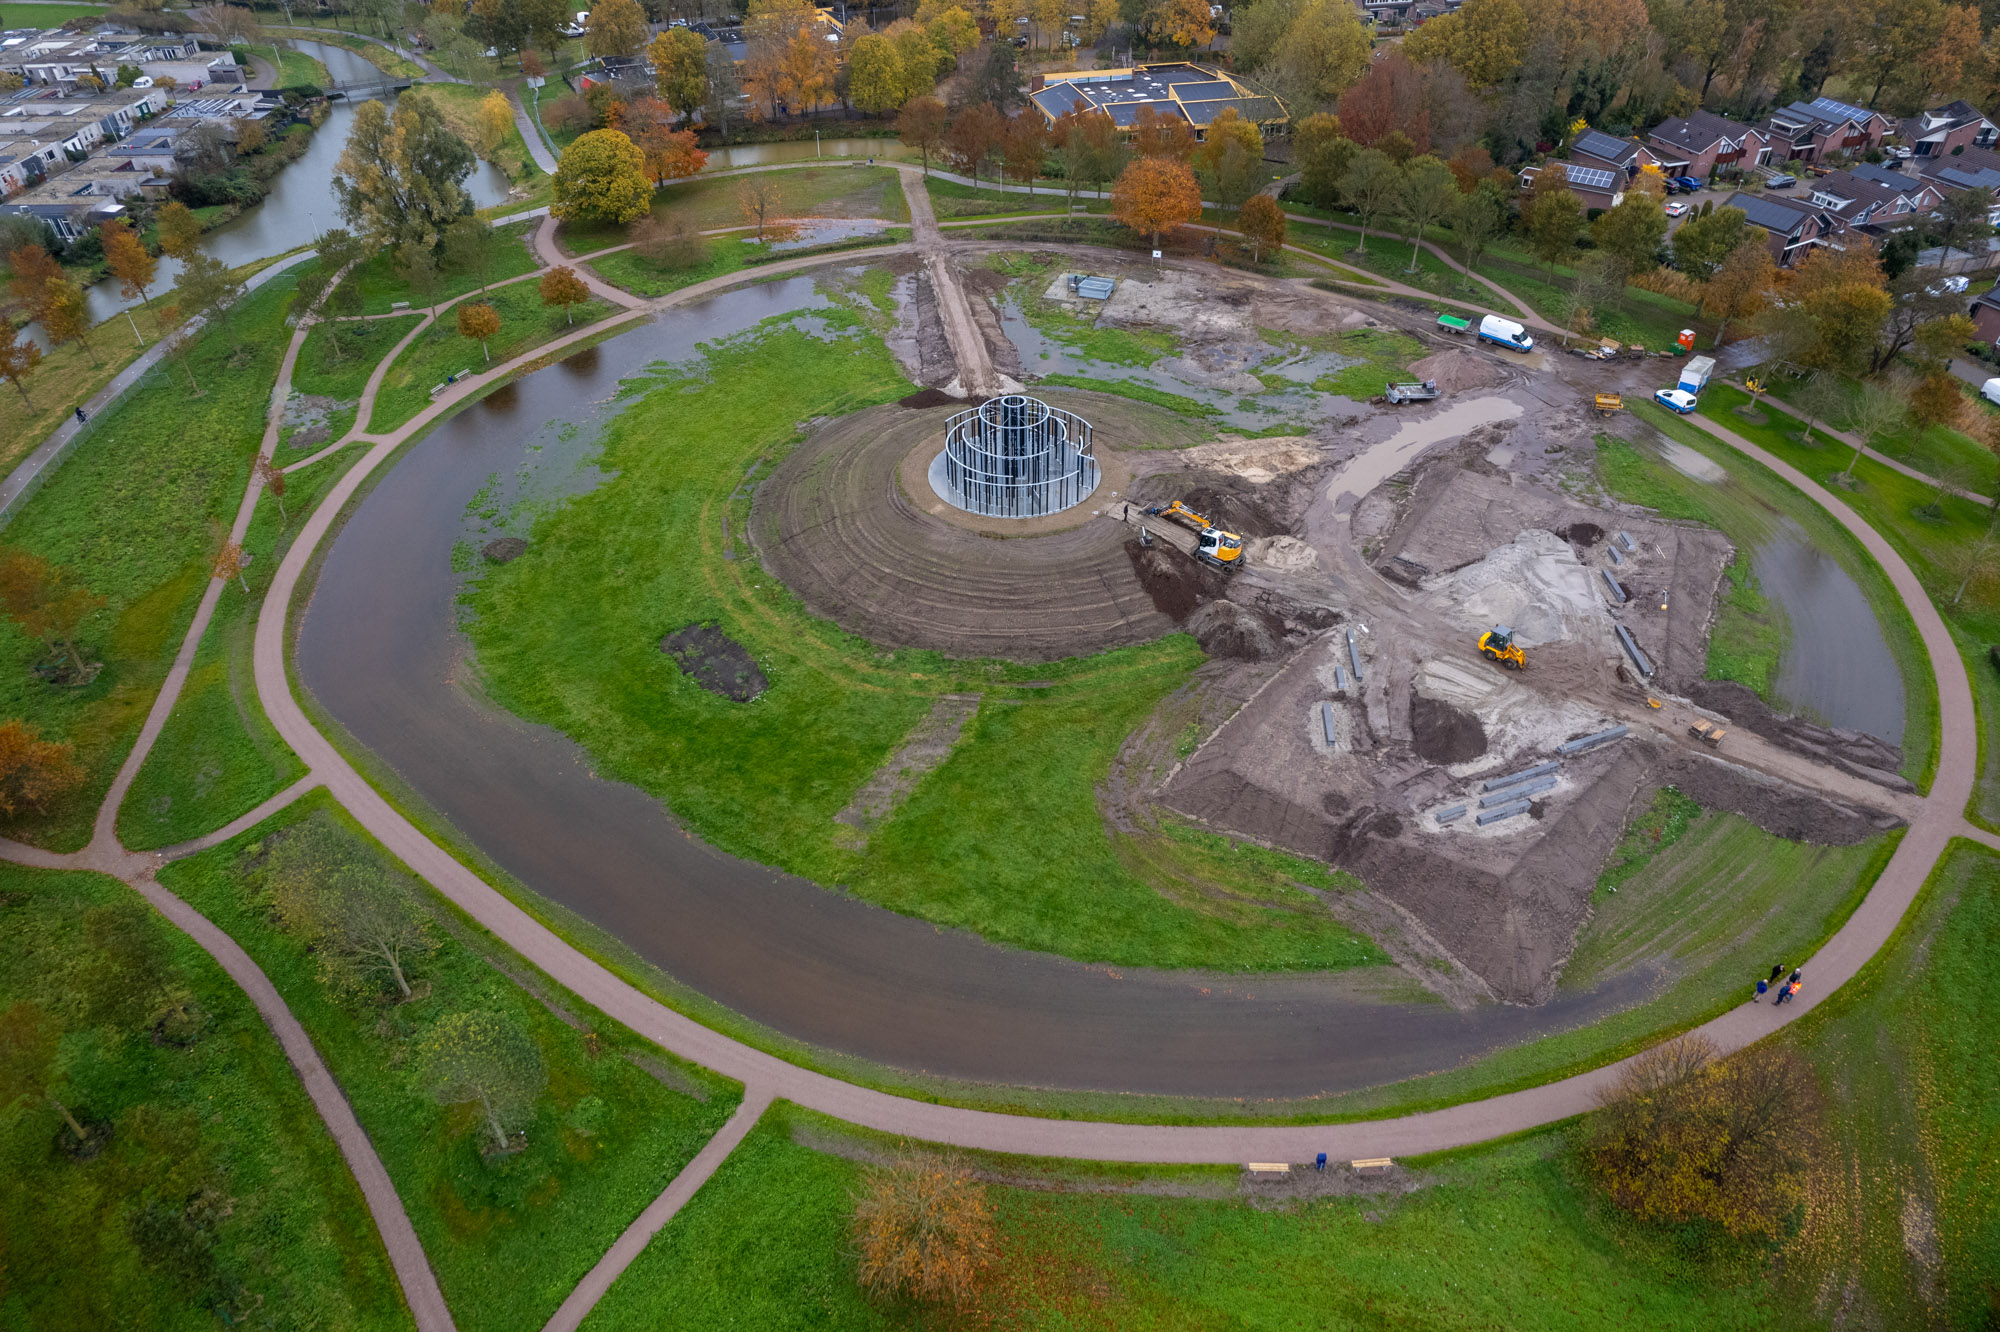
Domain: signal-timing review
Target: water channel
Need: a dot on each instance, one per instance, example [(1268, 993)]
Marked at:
[(301, 202), (380, 649)]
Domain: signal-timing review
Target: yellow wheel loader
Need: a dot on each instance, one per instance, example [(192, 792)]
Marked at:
[(1213, 546), (1497, 644)]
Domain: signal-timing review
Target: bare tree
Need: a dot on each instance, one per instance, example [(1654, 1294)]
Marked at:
[(364, 923), (923, 1229), (1877, 412)]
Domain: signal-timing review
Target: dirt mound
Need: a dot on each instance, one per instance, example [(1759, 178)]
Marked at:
[(1853, 752), (715, 661), (1441, 733), (1282, 552), (1778, 808), (1582, 534), (930, 397), (1172, 579), (1225, 629), (501, 550), (1457, 370), (1233, 511)]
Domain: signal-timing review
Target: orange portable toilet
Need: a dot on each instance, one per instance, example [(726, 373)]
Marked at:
[(1686, 339)]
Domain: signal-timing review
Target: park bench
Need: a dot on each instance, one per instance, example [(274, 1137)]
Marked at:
[(1367, 1164), (1268, 1168)]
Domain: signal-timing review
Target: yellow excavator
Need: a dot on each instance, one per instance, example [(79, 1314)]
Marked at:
[(1213, 546), (1497, 644)]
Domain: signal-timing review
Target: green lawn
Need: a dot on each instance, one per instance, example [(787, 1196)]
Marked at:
[(508, 1237), (47, 16), (1903, 1217), (707, 202), (460, 104), (726, 254), (220, 1198), (1004, 838), (949, 200), (1765, 490), (1640, 316), (379, 56), (130, 512), (296, 69), (1935, 451), (381, 288), (525, 323), (320, 372), (218, 756), (1501, 1237)]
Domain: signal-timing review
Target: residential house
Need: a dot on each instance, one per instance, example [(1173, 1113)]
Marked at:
[(80, 199), (1701, 144), (1385, 13), (1810, 131), (1595, 148), (1594, 187), (224, 109), (1194, 93), (1986, 316), (1792, 227), (26, 162), (1931, 134), (58, 59), (1871, 203)]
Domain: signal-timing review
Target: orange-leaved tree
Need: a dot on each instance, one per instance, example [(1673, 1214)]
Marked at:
[(34, 771), (125, 255), (179, 229), (561, 286), (1156, 194), (49, 604), (18, 359), (480, 321), (1262, 222), (921, 125), (923, 1230)]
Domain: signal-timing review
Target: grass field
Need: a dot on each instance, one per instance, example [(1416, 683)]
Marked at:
[(47, 16), (460, 103), (1498, 1238), (379, 56), (566, 635), (725, 255), (130, 512), (219, 1193), (509, 1236), (381, 288), (1763, 490), (706, 202), (65, 379), (320, 372), (1935, 451), (525, 323), (950, 199)]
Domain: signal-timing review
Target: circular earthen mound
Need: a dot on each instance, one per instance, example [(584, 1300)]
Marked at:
[(840, 524)]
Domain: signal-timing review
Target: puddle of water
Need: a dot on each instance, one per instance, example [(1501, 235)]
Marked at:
[(1691, 462), (825, 231), (1837, 666), (1376, 464), (1251, 407)]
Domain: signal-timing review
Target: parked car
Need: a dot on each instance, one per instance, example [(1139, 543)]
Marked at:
[(1688, 184), (1948, 286), (1901, 152), (1781, 181), (1676, 400), (1676, 208), (1990, 391)]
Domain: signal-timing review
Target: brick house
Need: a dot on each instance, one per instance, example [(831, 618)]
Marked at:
[(1791, 228), (1809, 131), (1955, 125), (1595, 148), (1986, 316), (1879, 202), (1700, 144), (1594, 187)]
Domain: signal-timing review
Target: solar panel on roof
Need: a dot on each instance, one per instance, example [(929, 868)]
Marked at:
[(1592, 178), (1205, 91), (1830, 107)]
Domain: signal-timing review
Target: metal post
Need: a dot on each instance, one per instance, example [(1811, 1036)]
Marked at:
[(135, 327)]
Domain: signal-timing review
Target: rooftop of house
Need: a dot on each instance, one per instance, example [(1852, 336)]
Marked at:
[(1582, 177), (1783, 217), (1856, 192), (1941, 120), (1606, 147), (1195, 93), (1822, 113), (1698, 130)]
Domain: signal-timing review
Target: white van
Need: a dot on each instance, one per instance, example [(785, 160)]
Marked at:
[(1505, 332), (1990, 391)]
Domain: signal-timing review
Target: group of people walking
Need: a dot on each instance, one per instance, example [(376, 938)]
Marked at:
[(1785, 988)]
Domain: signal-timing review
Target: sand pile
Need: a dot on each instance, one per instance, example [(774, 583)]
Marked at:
[(1535, 583), (1286, 553), (1456, 370), (1255, 460)]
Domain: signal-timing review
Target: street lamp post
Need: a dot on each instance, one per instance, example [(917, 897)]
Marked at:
[(135, 327), (815, 142)]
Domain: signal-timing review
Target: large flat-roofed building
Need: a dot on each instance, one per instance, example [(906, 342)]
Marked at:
[(1194, 93)]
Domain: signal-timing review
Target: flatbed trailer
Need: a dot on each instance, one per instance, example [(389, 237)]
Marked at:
[(1423, 392)]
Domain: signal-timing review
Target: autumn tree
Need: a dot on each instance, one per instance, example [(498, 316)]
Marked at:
[(1741, 287), (1685, 1138), (230, 562), (680, 70), (1477, 219), (920, 54), (18, 359), (1372, 183), (562, 287), (248, 134), (1486, 41), (1703, 243), (875, 74), (1879, 410), (1156, 194), (1022, 147), (923, 1230), (479, 321), (66, 316), (616, 28), (1179, 23), (1158, 134), (1632, 231), (49, 604), (401, 177), (788, 64), (1389, 99), (1232, 155), (363, 923), (1837, 303), (921, 125), (205, 289), (761, 202), (1936, 400), (129, 262), (34, 772), (602, 178), (272, 478), (1551, 218), (32, 269), (491, 122), (1323, 155), (1262, 223), (1091, 149), (178, 229), (976, 133), (673, 243), (1429, 194), (1308, 51), (483, 1059), (29, 1039), (670, 154), (472, 247)]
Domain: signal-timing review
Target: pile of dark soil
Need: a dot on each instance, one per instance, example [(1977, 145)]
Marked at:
[(1175, 581), (501, 550), (930, 397), (1582, 534), (1778, 808), (1234, 512), (715, 661), (1853, 752), (1225, 629), (1441, 733)]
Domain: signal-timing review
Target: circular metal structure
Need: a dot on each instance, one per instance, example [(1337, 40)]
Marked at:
[(1015, 457)]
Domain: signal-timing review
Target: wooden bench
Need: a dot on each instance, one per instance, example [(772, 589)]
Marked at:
[(1372, 1163), (1268, 1168)]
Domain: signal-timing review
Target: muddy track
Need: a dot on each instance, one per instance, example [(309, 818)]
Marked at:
[(837, 526)]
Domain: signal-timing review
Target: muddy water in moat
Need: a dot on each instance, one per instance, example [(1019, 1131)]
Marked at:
[(379, 648), (1837, 666)]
